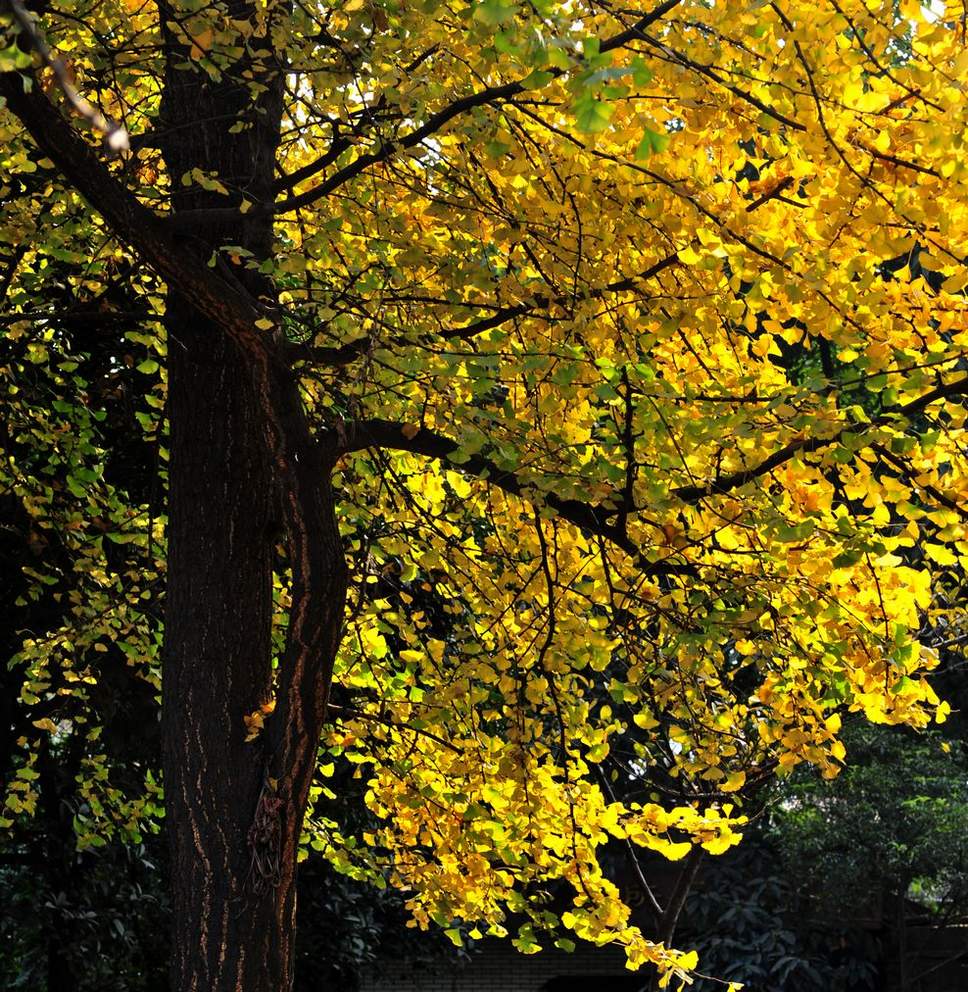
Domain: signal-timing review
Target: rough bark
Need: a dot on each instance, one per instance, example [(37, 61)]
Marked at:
[(217, 653), (234, 808), (245, 470), (216, 660)]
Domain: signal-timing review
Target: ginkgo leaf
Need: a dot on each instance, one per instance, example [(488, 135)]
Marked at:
[(592, 115), (493, 13), (940, 554), (652, 143)]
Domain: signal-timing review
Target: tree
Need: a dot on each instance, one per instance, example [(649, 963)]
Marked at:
[(612, 359)]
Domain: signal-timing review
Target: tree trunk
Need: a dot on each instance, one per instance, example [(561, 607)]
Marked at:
[(57, 860), (233, 809), (216, 667), (243, 464)]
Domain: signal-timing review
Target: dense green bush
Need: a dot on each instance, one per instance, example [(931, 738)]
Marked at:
[(814, 898)]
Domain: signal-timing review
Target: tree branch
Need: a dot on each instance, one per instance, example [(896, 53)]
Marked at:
[(540, 302), (115, 136), (594, 519), (338, 144), (214, 292), (488, 95), (735, 480), (329, 356)]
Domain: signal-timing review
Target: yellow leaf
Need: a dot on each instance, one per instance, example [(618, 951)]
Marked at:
[(688, 256), (941, 554)]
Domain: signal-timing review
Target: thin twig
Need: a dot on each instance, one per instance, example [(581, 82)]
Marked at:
[(115, 136)]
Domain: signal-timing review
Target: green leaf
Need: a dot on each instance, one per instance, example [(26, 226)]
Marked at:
[(591, 114), (652, 143), (493, 12), (12, 58), (536, 79), (641, 73), (847, 558)]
